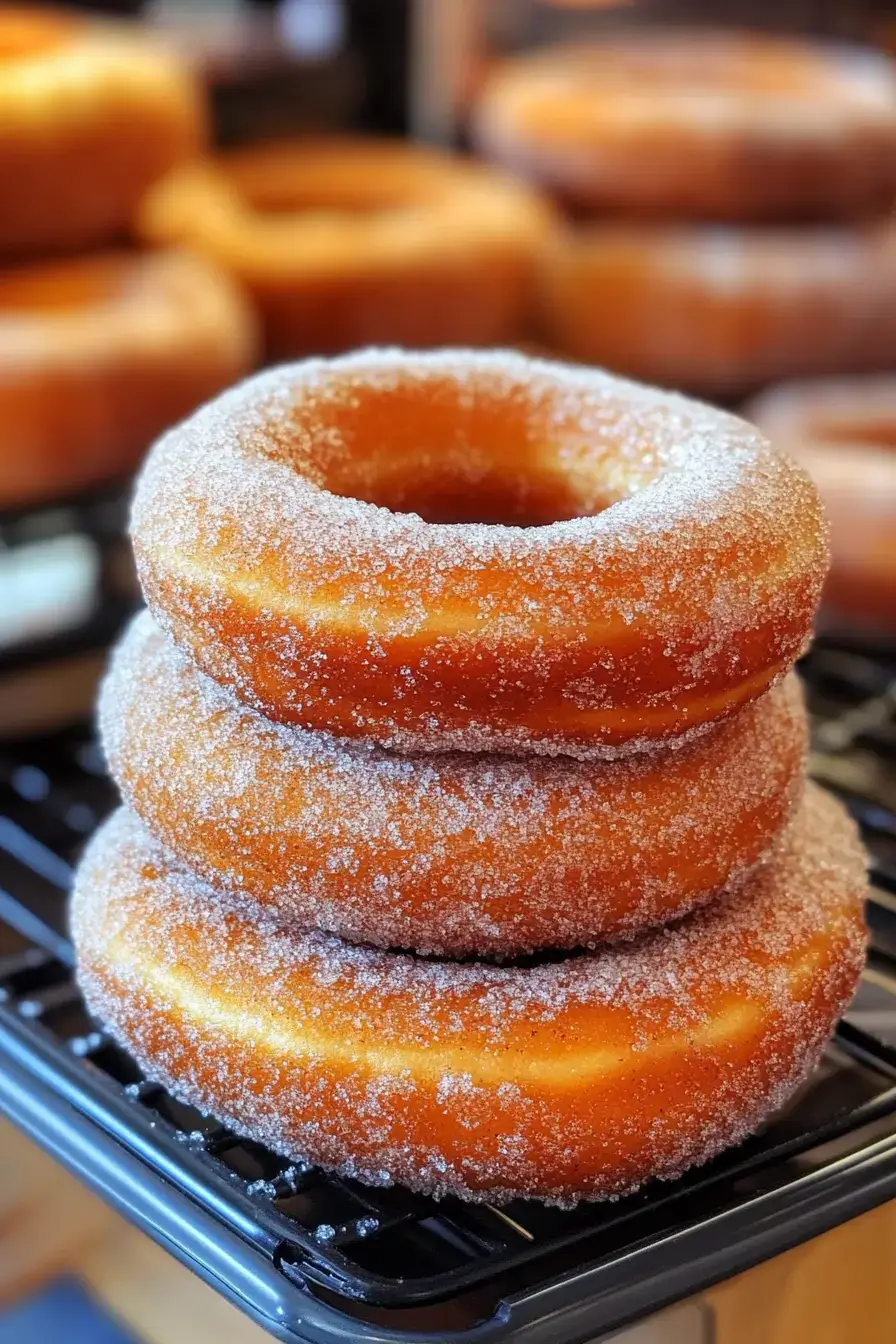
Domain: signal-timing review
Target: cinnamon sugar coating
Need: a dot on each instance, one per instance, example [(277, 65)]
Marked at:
[(650, 563), (462, 855), (575, 1078)]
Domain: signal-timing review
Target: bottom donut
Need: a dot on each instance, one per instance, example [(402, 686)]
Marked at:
[(574, 1078)]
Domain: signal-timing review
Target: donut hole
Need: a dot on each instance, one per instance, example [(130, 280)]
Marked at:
[(290, 208), (467, 450), (297, 187), (281, 199), (25, 33)]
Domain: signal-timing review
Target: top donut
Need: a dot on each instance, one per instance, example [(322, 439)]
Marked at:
[(635, 565), (699, 125)]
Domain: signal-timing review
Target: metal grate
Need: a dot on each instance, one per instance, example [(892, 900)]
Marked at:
[(316, 1257)]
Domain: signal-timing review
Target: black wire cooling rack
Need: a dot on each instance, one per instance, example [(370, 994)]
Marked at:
[(313, 1257)]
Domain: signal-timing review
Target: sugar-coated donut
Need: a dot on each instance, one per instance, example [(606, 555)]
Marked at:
[(455, 854), (720, 311), (699, 125), (99, 354), (345, 242), (90, 115), (844, 433), (274, 542), (579, 1078)]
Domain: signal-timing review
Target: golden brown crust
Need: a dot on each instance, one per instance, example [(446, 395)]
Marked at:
[(275, 542), (720, 311), (90, 116), (843, 431), (460, 855), (699, 125), (580, 1078), (99, 355), (348, 242)]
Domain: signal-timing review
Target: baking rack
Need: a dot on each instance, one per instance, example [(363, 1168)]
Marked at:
[(316, 1258)]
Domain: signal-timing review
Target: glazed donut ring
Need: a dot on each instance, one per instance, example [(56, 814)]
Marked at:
[(844, 434), (720, 311), (346, 242), (99, 354), (457, 855), (90, 115), (699, 125), (580, 1078), (274, 543)]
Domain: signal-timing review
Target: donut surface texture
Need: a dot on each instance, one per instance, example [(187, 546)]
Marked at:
[(720, 311), (91, 114), (99, 354), (579, 1078), (455, 854), (843, 431), (699, 125), (642, 565), (345, 242)]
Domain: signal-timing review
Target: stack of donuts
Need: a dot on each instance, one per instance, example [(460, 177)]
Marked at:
[(728, 198), (100, 350), (470, 851)]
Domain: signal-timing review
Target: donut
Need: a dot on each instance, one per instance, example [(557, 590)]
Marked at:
[(844, 433), (720, 311), (573, 1078), (275, 543), (99, 354), (457, 855), (698, 125), (345, 242), (90, 115)]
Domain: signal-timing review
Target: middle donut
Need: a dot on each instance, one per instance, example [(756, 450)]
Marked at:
[(450, 854)]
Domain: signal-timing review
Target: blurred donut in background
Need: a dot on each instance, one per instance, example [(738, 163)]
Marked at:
[(844, 433), (720, 311), (90, 115), (99, 354), (698, 125), (347, 242)]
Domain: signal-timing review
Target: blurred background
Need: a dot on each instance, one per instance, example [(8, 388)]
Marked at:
[(791, 276), (699, 195)]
